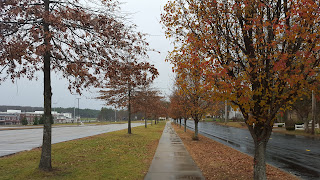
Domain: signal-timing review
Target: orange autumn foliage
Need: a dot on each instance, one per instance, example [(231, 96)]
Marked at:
[(259, 55)]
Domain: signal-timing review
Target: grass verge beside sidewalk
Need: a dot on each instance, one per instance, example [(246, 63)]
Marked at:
[(114, 155), (218, 161)]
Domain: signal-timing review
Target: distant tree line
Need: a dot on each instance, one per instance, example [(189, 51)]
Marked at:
[(108, 114), (84, 113)]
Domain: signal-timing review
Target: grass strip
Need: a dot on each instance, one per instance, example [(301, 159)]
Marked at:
[(114, 155)]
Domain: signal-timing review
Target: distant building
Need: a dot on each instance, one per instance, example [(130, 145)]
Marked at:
[(162, 118), (30, 116), (234, 114), (14, 117), (9, 118)]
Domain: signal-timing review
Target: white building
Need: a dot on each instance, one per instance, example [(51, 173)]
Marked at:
[(235, 114), (15, 116)]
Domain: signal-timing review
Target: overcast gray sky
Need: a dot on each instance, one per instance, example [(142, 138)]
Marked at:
[(146, 15)]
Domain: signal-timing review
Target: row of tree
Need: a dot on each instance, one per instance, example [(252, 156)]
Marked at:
[(89, 42), (261, 56), (36, 121), (138, 99), (84, 113)]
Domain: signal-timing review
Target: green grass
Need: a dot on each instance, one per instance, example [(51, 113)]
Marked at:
[(234, 124), (208, 119), (115, 155)]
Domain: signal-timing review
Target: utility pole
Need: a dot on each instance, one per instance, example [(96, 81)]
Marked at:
[(74, 113), (78, 111), (313, 113)]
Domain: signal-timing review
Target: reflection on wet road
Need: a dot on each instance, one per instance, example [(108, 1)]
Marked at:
[(296, 154)]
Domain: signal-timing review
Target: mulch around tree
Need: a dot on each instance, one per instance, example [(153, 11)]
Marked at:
[(218, 161)]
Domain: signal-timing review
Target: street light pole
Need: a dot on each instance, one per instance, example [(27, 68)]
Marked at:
[(78, 112), (74, 113)]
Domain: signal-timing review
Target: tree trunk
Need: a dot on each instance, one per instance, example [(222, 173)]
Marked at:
[(261, 135), (129, 110), (195, 137), (313, 113), (45, 160), (180, 122), (185, 125), (259, 161), (145, 123), (306, 124), (145, 120)]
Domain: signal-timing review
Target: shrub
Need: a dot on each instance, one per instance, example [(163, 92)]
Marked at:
[(36, 121), (280, 125), (24, 121), (41, 121), (290, 128)]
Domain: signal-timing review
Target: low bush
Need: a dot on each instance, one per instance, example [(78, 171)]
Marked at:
[(24, 121), (290, 128)]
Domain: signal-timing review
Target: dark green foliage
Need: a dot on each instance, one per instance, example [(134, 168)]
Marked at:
[(106, 114), (41, 120), (24, 121), (290, 128), (84, 113), (36, 121)]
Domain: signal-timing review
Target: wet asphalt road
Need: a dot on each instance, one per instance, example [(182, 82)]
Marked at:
[(295, 154), (12, 141)]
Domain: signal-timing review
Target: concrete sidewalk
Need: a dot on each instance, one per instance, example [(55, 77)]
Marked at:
[(172, 161)]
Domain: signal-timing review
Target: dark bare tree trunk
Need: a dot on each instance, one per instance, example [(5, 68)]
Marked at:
[(259, 161), (306, 124), (180, 122), (313, 113), (45, 161), (129, 110), (195, 137), (145, 120), (185, 125)]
